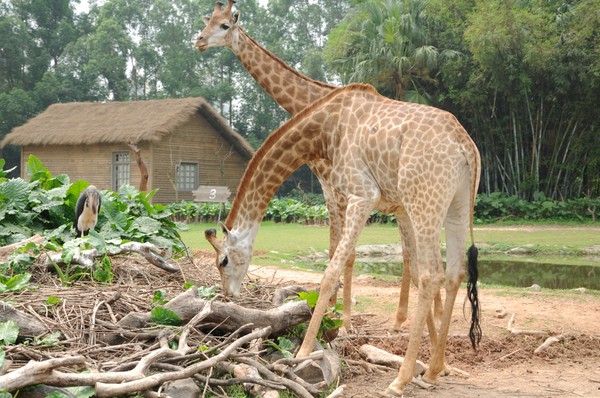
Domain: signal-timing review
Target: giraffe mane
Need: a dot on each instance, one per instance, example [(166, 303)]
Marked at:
[(283, 64), (276, 135)]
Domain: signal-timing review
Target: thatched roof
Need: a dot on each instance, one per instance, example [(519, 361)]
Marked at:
[(88, 123)]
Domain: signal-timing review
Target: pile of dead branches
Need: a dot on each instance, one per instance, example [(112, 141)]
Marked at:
[(108, 341)]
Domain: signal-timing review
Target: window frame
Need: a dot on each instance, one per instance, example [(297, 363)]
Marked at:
[(116, 173), (189, 184)]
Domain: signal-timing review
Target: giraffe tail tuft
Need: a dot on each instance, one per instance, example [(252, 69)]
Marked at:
[(475, 332)]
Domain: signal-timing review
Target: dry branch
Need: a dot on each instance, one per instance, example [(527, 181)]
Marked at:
[(381, 357), (513, 330), (116, 389), (86, 258), (549, 341), (37, 239)]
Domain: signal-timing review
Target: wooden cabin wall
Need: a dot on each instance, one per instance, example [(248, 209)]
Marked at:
[(195, 141), (92, 163)]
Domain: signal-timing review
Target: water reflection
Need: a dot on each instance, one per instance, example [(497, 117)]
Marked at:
[(512, 273), (551, 276)]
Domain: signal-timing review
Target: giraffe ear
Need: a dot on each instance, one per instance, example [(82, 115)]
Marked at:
[(206, 19), (235, 17), (224, 229)]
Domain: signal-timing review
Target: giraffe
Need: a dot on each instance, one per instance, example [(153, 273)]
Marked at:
[(410, 159), (294, 92)]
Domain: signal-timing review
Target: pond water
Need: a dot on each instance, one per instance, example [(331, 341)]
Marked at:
[(513, 273), (551, 272)]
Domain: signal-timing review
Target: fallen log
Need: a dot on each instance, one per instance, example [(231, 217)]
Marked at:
[(29, 326), (87, 257), (225, 317)]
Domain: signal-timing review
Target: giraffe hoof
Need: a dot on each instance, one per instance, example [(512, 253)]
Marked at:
[(429, 380), (391, 393)]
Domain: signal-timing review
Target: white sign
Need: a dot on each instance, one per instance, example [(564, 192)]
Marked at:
[(209, 193)]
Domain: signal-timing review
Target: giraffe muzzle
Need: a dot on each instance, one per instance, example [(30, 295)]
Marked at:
[(201, 44)]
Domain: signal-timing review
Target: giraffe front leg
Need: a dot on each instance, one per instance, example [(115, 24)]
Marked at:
[(328, 283), (357, 212), (402, 311), (347, 291), (407, 254)]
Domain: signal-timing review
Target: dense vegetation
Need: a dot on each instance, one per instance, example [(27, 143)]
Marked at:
[(45, 205), (488, 208), (522, 76)]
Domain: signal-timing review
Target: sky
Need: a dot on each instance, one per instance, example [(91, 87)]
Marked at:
[(84, 4)]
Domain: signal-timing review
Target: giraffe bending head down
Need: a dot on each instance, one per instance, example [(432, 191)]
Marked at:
[(294, 92), (412, 160)]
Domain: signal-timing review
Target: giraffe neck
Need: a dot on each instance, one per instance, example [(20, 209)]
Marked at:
[(300, 140), (292, 90)]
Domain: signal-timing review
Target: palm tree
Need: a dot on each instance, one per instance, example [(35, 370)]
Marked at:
[(385, 43)]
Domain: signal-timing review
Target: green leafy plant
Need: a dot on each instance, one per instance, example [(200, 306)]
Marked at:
[(164, 316), (284, 345), (331, 320), (15, 283), (159, 297), (207, 293), (53, 301), (9, 332)]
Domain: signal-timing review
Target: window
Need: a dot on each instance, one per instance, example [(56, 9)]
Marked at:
[(187, 176), (121, 171)]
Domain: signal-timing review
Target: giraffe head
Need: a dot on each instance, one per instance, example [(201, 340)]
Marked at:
[(219, 27), (233, 259)]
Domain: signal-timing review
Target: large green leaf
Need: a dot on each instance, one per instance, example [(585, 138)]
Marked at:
[(15, 192), (146, 225), (36, 169), (164, 316), (9, 331)]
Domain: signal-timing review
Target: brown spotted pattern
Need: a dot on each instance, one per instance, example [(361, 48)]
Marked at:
[(369, 152)]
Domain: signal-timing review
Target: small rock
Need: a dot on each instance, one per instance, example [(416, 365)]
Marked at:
[(326, 370), (535, 287), (183, 388), (580, 290)]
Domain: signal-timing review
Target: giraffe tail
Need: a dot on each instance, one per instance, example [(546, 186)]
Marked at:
[(475, 332)]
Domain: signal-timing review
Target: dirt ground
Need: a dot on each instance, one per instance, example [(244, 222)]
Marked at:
[(505, 365)]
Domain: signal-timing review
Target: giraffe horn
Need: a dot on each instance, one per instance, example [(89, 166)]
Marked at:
[(218, 6), (230, 5)]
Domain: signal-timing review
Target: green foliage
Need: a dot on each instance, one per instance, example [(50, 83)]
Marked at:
[(331, 320), (500, 206), (279, 210), (164, 316), (15, 283), (53, 300), (207, 292), (45, 205), (9, 332), (284, 346), (493, 207)]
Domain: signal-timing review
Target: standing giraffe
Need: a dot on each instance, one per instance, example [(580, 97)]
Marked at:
[(410, 159), (294, 92)]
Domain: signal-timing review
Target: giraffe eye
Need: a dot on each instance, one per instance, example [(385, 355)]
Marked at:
[(224, 261), (225, 26)]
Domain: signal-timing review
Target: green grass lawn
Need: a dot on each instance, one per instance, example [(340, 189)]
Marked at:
[(285, 241)]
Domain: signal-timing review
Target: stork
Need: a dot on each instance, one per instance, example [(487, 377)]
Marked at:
[(86, 213)]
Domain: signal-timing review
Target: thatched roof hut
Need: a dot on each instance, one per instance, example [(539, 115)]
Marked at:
[(71, 137)]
